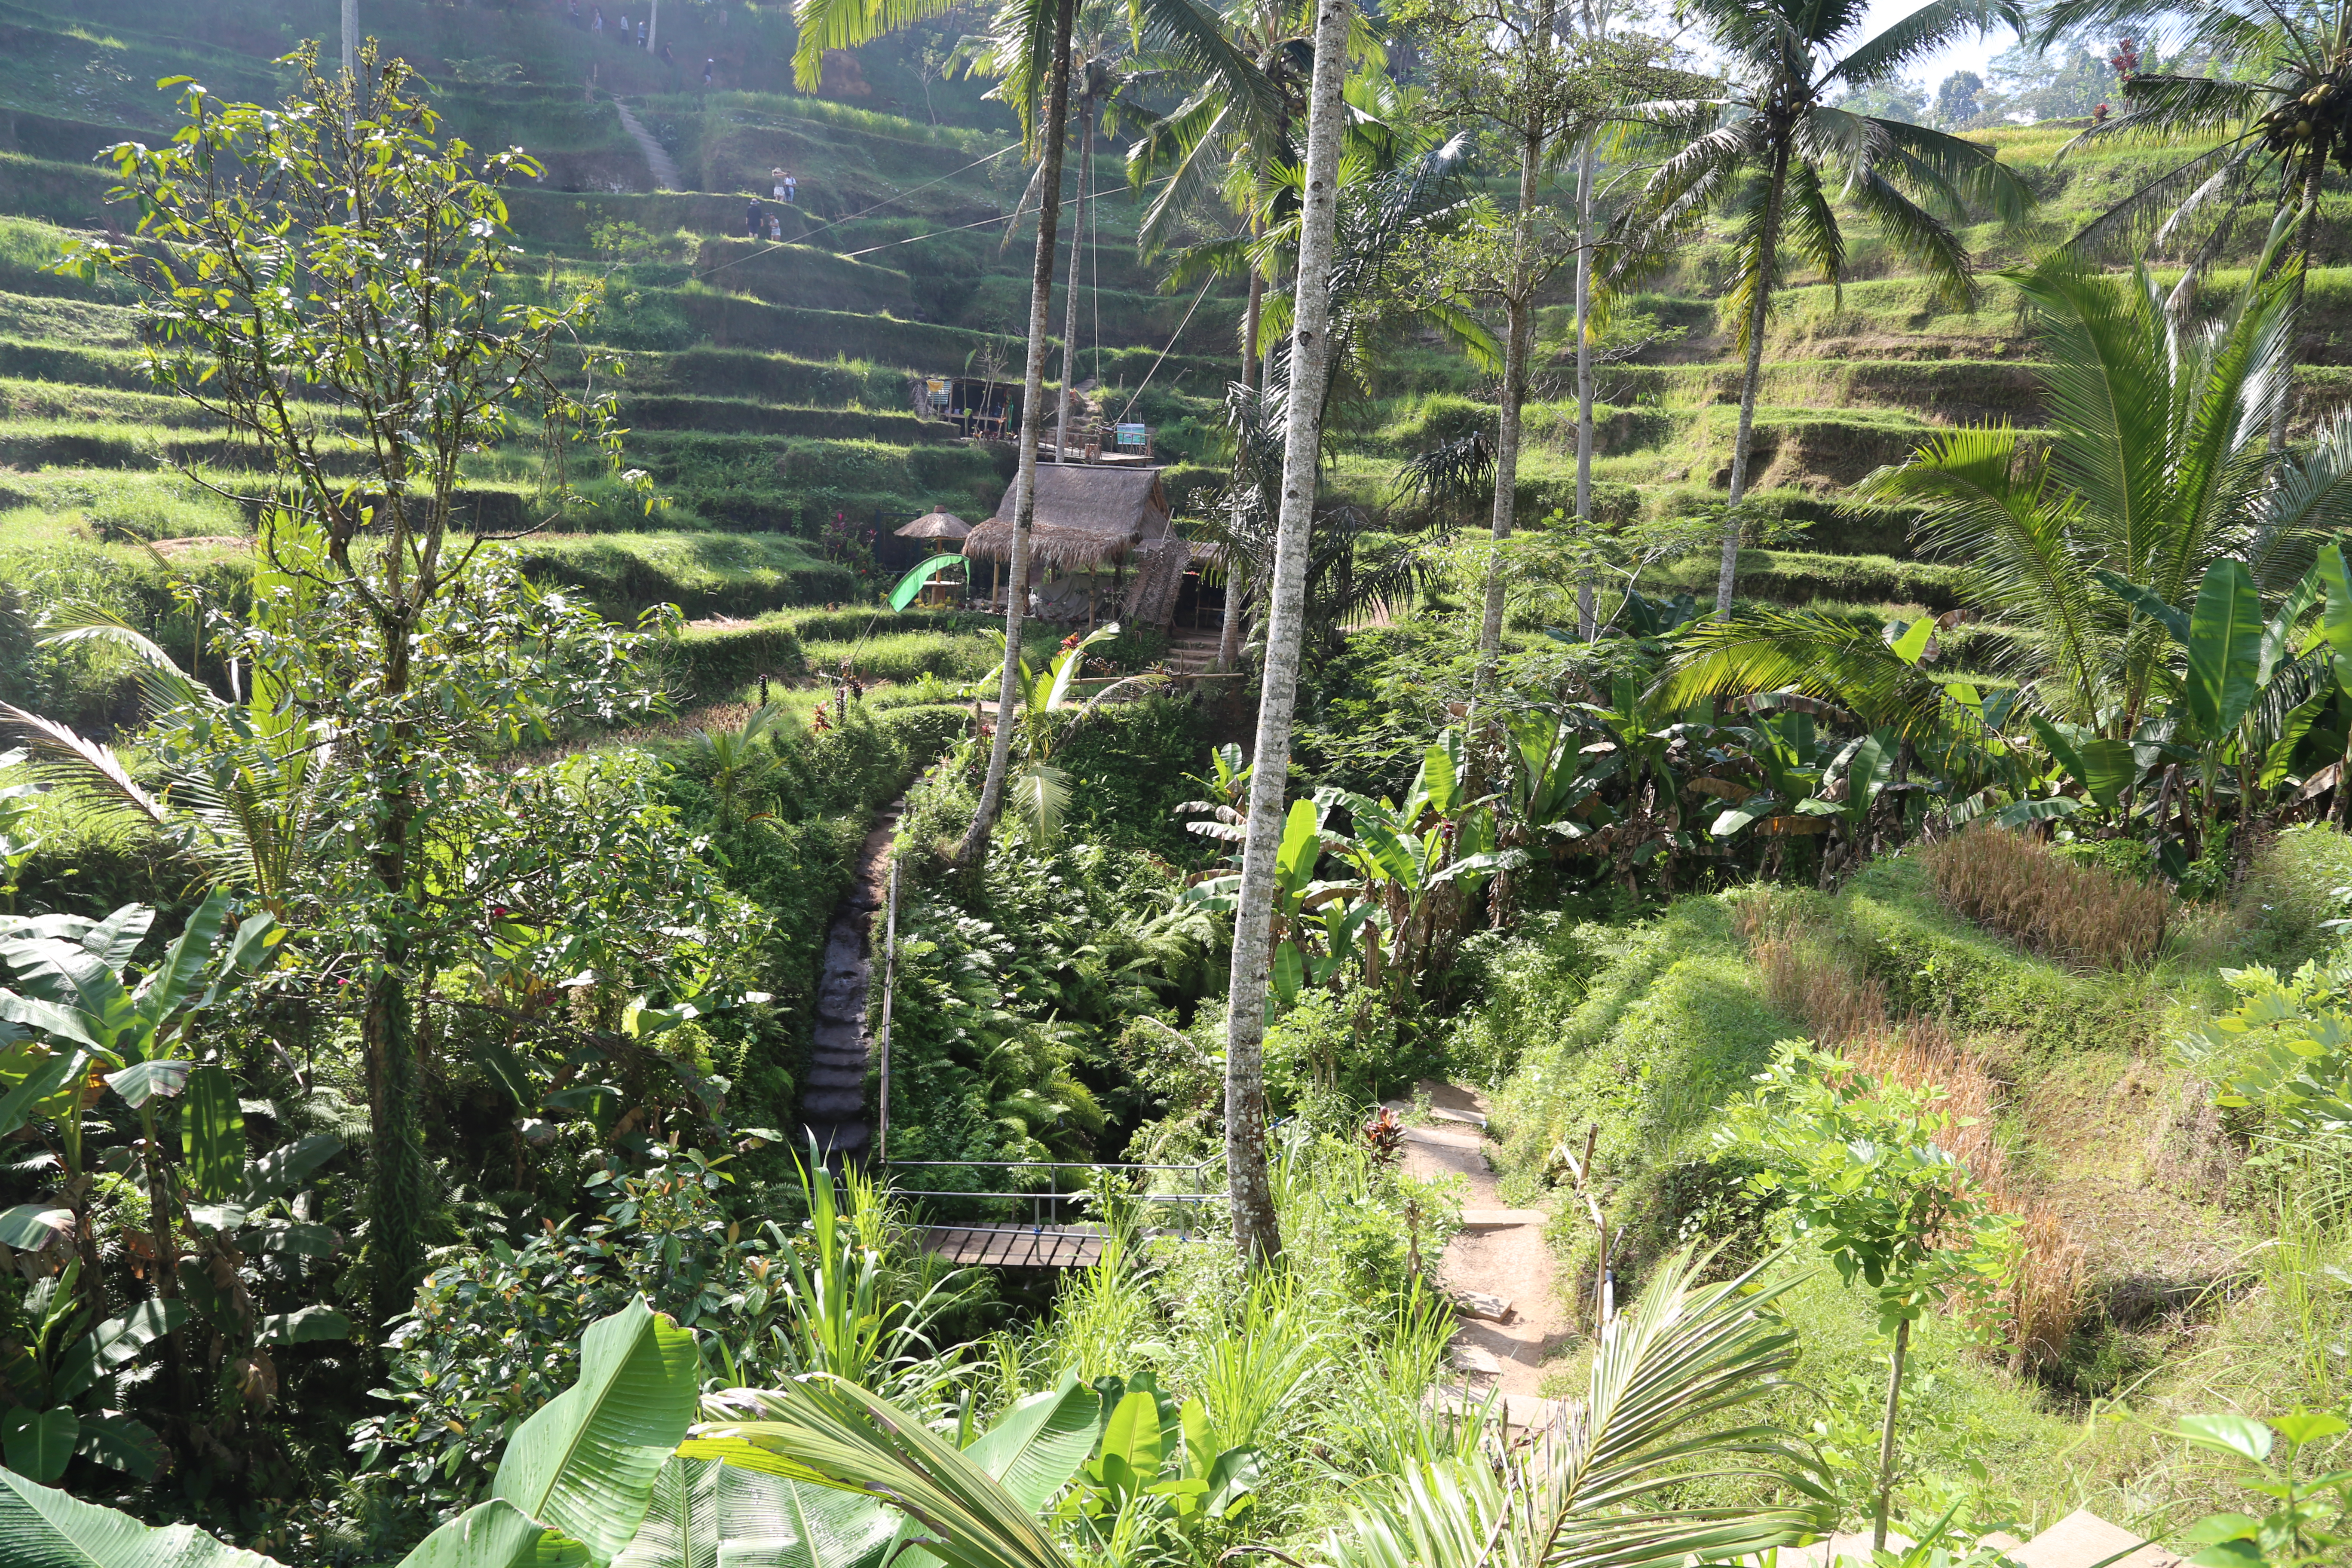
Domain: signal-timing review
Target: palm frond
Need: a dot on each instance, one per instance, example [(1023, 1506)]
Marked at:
[(1600, 1488), (844, 24), (1922, 32), (1811, 653), (1925, 239), (73, 762)]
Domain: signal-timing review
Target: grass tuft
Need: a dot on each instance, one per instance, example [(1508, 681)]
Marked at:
[(2061, 909)]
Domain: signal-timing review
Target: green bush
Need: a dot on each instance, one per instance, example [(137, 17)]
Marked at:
[(2297, 881), (1127, 762), (1644, 1030)]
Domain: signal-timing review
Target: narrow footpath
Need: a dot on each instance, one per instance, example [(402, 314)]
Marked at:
[(1499, 1266), (833, 1087)]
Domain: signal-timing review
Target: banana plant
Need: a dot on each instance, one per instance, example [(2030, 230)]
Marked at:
[(573, 1489), (1157, 1466), (91, 1034), (2234, 654), (1652, 747), (1039, 791), (1312, 936), (1407, 856), (1786, 748), (59, 1387), (1223, 812), (16, 844)]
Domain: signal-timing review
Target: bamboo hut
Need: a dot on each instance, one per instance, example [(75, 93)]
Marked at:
[(1100, 544)]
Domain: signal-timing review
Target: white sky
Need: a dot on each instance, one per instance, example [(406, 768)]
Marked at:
[(1968, 53)]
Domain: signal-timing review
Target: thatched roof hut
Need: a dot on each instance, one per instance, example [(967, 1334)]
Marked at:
[(1090, 518), (939, 525)]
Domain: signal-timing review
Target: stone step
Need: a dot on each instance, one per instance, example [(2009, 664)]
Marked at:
[(838, 1060), (835, 1035), (1501, 1219), (1479, 1304), (834, 1078), (839, 1102)]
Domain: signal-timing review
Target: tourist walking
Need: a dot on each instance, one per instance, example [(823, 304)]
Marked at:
[(752, 223), (792, 190), (596, 27), (708, 65)]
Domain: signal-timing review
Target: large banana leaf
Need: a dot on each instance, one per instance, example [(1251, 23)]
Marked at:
[(2225, 648), (979, 1506), (41, 1527), (586, 1462), (706, 1514), (496, 1535)]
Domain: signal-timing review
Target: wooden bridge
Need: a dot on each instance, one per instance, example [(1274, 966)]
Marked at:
[(1044, 1242)]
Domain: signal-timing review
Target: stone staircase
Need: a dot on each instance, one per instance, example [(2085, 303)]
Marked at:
[(833, 1087), (663, 167), (1192, 652)]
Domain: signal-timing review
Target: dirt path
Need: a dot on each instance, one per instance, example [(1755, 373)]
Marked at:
[(1500, 1253)]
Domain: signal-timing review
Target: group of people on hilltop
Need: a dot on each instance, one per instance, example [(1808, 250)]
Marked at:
[(635, 36)]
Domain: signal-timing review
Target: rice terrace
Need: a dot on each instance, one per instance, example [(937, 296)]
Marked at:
[(1044, 784)]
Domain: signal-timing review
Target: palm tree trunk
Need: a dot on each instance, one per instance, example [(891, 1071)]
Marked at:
[(2311, 180), (1519, 311), (1070, 295), (973, 853), (1249, 325), (1587, 617), (1767, 248), (1229, 638), (1256, 1229)]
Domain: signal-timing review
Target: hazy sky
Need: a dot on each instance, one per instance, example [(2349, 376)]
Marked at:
[(1969, 53)]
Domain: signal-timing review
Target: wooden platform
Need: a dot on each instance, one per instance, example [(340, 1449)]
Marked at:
[(1016, 1247)]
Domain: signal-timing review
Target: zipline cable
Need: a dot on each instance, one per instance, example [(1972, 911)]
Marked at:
[(1165, 352), (877, 206)]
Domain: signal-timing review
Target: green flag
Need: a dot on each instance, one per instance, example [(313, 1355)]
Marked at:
[(912, 582)]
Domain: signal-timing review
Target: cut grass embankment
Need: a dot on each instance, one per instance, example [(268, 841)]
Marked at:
[(1645, 1031)]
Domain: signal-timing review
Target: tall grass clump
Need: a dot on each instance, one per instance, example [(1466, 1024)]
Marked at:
[(1849, 1012), (2061, 909)]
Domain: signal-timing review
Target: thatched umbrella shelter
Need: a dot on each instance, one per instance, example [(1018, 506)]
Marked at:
[(1091, 521), (944, 526)]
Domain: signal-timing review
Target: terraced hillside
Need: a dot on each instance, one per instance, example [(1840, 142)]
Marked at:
[(771, 388)]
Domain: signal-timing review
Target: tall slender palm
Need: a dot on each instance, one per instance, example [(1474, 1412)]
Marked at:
[(1232, 137), (1256, 1229), (1776, 153), (2265, 141)]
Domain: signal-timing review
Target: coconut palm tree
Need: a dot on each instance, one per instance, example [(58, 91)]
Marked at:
[(2265, 141), (1775, 153), (250, 811), (1232, 136), (1256, 1231)]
